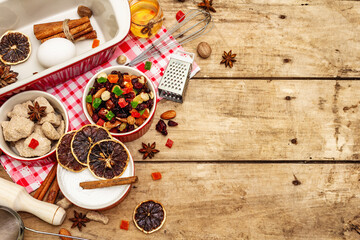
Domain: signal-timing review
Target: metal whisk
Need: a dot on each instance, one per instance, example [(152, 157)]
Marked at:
[(201, 20)]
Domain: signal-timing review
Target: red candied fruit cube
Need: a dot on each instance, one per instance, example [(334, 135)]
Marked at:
[(100, 122), (180, 16), (169, 143), (124, 225), (156, 176), (33, 143), (122, 103)]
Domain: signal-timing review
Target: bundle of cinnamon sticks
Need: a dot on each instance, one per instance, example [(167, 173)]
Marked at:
[(78, 29), (50, 183)]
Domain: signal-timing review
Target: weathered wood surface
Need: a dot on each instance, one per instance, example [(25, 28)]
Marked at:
[(236, 120), (279, 38), (234, 201)]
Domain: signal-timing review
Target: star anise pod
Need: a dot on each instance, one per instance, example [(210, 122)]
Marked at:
[(228, 59), (36, 112), (7, 76), (148, 150), (79, 220), (207, 5)]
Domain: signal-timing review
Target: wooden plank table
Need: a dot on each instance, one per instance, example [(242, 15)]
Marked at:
[(289, 108)]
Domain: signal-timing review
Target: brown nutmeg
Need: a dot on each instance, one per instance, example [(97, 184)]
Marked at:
[(204, 50), (84, 11)]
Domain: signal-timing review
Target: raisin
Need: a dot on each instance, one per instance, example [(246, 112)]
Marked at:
[(95, 117), (172, 123), (138, 85), (161, 127)]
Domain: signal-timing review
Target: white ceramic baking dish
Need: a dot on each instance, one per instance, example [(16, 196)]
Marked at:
[(111, 20)]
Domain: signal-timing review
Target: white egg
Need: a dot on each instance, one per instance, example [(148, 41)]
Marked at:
[(55, 51)]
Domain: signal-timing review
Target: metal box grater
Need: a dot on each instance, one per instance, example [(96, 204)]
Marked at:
[(175, 79)]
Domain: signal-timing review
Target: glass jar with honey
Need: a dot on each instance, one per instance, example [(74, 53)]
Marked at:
[(146, 17)]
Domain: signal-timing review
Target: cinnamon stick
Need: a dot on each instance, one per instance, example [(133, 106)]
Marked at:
[(47, 179), (73, 31), (45, 30), (108, 183), (90, 35), (48, 183), (53, 192)]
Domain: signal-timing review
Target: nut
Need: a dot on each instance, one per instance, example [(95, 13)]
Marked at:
[(105, 96), (144, 96), (151, 94), (168, 115), (204, 50), (121, 59), (64, 231), (98, 93), (84, 11), (89, 109), (102, 74), (141, 79)]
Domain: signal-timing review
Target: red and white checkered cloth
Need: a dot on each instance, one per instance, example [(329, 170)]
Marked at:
[(70, 93)]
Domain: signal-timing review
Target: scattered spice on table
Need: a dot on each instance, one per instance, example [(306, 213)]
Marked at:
[(228, 59), (79, 220), (204, 50), (207, 5), (156, 176), (124, 225), (148, 150), (7, 76), (169, 143)]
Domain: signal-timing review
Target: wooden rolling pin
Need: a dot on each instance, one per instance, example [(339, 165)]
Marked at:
[(16, 197)]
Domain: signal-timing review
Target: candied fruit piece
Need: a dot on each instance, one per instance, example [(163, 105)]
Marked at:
[(156, 176), (169, 143), (95, 43), (33, 143), (180, 16), (148, 65), (124, 225)]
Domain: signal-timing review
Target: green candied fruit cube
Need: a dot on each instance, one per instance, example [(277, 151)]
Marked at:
[(89, 99), (101, 80), (148, 65), (141, 112), (96, 103), (110, 115), (134, 104), (117, 91)]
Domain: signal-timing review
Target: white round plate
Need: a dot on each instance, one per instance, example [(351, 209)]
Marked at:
[(93, 199)]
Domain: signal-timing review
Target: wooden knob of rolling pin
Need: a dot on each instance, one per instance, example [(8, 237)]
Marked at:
[(16, 197)]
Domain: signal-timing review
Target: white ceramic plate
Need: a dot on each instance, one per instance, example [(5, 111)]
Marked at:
[(93, 199)]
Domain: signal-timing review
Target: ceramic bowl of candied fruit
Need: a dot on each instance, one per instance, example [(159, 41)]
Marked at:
[(121, 99), (32, 122)]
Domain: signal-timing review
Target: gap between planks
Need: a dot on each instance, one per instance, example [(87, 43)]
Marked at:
[(323, 162)]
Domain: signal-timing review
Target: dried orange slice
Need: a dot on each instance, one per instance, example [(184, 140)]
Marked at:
[(108, 159), (149, 216), (64, 155), (15, 47), (84, 139)]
